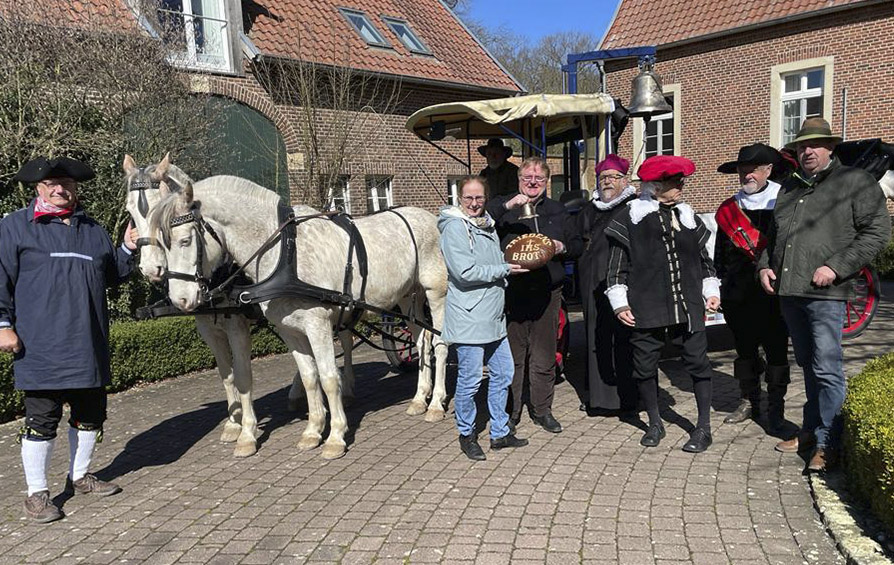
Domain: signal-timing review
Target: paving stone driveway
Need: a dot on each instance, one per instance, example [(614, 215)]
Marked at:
[(405, 494)]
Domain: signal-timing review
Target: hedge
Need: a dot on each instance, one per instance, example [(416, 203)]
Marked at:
[(868, 415), (146, 351)]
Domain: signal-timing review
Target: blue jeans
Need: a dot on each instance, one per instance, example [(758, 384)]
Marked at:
[(815, 327), (472, 359)]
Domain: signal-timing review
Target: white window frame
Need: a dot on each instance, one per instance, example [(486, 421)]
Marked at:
[(778, 95), (373, 185), (453, 190), (344, 186), (393, 23), (349, 13), (191, 58), (639, 127)]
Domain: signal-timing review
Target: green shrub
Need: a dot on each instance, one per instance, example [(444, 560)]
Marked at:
[(869, 436), (146, 351), (884, 261)]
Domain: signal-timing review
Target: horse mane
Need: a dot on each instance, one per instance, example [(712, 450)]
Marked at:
[(160, 218)]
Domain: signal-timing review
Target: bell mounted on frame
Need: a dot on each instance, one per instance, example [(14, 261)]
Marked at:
[(647, 98)]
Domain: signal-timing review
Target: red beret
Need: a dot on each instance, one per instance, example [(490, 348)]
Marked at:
[(662, 167), (613, 162)]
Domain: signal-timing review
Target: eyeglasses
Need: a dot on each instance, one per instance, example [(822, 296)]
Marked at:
[(470, 199), (610, 177), (538, 180)]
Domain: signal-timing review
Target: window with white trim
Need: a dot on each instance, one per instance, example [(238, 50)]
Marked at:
[(659, 133), (363, 26), (453, 190), (406, 35), (340, 195), (378, 193), (802, 98), (199, 31)]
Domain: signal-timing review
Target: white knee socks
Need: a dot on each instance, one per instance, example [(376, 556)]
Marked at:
[(36, 462), (80, 445)]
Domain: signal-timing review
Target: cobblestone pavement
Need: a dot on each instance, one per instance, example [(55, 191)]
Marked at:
[(405, 494)]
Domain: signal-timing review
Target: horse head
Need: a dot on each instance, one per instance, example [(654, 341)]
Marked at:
[(145, 189), (190, 245)]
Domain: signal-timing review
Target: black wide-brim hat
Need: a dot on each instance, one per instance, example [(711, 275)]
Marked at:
[(42, 168), (754, 154)]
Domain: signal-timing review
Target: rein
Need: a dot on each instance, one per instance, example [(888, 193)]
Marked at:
[(200, 228)]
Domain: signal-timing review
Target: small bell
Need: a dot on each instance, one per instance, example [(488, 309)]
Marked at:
[(527, 212), (647, 98)]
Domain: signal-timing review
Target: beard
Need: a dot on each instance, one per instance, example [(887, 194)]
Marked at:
[(751, 188)]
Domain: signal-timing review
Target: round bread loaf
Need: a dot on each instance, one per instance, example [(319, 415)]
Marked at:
[(530, 250)]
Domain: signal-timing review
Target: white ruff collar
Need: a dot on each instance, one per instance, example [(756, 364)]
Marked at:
[(645, 205), (763, 200), (600, 205)]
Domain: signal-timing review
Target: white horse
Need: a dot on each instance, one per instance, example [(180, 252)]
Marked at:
[(242, 215)]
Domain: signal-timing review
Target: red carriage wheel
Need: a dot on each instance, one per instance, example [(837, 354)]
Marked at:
[(861, 309), (402, 356)]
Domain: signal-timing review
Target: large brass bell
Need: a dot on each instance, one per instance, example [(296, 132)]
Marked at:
[(646, 98), (527, 212)]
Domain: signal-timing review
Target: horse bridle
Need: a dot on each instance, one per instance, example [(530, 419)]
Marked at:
[(141, 182), (200, 228)]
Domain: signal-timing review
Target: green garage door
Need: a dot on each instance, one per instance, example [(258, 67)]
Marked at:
[(245, 143)]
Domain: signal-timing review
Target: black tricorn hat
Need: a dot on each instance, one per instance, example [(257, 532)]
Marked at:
[(42, 168), (754, 154)]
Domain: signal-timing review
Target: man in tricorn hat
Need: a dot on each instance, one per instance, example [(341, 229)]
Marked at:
[(829, 221), (743, 222), (660, 281), (501, 175), (55, 265)]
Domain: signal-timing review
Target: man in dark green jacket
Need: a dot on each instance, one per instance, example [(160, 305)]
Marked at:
[(830, 221)]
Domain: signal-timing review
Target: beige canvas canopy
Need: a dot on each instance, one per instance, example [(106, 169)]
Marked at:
[(566, 116)]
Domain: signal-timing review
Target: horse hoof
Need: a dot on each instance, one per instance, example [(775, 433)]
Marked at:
[(333, 451), (245, 449), (434, 415), (416, 408), (231, 432), (308, 443), (294, 404)]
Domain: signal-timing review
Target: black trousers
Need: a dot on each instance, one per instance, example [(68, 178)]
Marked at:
[(757, 323), (647, 345), (43, 411), (533, 345)]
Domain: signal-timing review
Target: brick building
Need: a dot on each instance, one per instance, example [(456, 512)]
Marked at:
[(740, 73), (414, 53)]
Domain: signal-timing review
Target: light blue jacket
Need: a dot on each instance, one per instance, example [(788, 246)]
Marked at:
[(476, 279)]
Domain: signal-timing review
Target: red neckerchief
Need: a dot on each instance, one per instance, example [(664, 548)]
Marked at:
[(736, 225), (44, 208)]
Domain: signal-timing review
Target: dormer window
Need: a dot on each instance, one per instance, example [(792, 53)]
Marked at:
[(364, 27), (403, 32), (198, 30)]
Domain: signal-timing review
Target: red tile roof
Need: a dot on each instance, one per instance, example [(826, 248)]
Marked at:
[(91, 14), (660, 22), (314, 30)]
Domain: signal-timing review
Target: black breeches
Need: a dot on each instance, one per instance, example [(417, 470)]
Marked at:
[(758, 323), (43, 410), (647, 345)]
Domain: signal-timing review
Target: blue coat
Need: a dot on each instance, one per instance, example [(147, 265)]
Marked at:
[(53, 280), (476, 280)]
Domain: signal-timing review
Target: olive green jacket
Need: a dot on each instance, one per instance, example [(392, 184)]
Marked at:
[(838, 218)]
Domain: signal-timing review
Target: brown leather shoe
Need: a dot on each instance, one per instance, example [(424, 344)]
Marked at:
[(90, 484), (823, 459), (40, 509), (804, 441)]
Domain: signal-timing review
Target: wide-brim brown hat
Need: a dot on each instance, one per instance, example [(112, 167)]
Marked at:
[(495, 142), (814, 128), (754, 154)]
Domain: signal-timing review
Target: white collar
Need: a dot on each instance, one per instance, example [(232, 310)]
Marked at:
[(600, 205), (763, 200), (646, 204)]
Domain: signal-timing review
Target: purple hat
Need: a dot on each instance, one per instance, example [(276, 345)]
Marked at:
[(613, 162)]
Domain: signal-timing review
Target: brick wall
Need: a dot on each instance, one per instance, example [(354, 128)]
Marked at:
[(725, 87)]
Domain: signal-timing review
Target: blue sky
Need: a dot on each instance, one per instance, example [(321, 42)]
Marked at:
[(536, 18)]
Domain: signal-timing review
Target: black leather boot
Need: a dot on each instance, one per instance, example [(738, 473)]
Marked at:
[(778, 378), (747, 372), (469, 446)]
